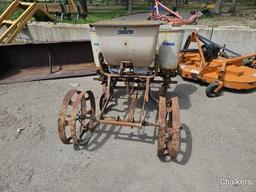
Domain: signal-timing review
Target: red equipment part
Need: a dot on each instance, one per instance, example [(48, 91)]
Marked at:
[(175, 19)]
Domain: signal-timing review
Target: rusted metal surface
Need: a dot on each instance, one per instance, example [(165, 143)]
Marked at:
[(17, 75), (78, 106), (132, 104), (30, 62), (77, 115), (162, 126), (83, 115), (119, 122), (168, 115), (64, 118), (137, 86), (169, 127), (92, 111), (173, 144), (109, 89)]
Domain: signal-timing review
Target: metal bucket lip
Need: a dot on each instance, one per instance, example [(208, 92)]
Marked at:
[(168, 28), (122, 23)]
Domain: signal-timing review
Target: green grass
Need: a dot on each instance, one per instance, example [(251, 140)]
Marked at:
[(5, 4), (96, 13), (95, 16), (105, 13)]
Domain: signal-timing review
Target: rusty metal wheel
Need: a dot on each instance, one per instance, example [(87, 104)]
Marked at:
[(161, 145), (76, 117), (83, 118), (64, 117), (169, 128), (173, 119)]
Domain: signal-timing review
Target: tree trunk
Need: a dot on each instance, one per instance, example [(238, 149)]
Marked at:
[(84, 8), (130, 7), (218, 7), (232, 8), (126, 4), (153, 3)]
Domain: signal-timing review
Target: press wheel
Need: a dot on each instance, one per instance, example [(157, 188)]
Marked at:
[(161, 144), (173, 143), (169, 128)]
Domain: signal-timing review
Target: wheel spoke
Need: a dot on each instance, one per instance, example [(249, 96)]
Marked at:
[(64, 116), (80, 119)]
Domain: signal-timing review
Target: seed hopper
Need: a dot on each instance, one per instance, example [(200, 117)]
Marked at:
[(128, 60)]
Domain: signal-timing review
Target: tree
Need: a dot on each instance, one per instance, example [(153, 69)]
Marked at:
[(218, 7), (232, 8), (130, 7), (84, 8)]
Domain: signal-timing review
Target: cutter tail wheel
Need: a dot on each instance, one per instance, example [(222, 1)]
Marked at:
[(169, 129), (76, 117), (211, 89)]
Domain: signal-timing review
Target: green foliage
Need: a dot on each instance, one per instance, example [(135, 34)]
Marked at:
[(96, 12), (105, 13), (3, 6)]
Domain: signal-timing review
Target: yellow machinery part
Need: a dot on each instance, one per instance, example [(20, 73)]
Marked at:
[(15, 26)]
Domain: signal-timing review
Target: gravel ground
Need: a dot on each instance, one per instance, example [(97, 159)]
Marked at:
[(218, 141)]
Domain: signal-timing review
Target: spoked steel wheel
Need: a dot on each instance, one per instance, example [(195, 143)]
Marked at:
[(169, 129), (77, 117), (173, 143)]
